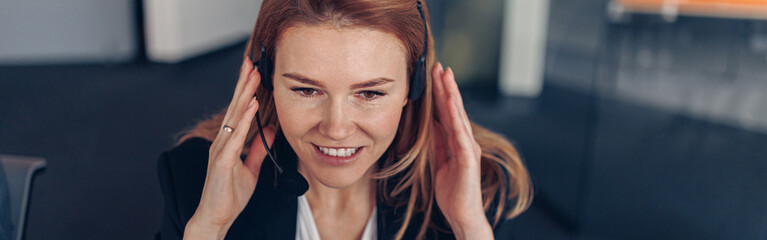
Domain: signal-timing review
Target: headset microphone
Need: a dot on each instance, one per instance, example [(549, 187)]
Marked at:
[(289, 180)]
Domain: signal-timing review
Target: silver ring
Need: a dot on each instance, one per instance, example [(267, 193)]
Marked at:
[(228, 128)]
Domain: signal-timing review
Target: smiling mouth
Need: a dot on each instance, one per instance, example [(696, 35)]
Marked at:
[(338, 152)]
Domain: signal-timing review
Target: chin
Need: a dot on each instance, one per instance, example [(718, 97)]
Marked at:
[(337, 182)]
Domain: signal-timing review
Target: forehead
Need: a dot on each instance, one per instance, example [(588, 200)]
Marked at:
[(326, 51)]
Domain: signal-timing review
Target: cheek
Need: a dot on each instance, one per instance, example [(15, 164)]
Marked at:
[(293, 117), (383, 123)]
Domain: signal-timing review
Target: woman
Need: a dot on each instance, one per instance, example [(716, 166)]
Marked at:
[(380, 164)]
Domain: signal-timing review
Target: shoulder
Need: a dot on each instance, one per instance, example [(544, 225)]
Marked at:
[(501, 205), (191, 150), (186, 158), (181, 171), (187, 161)]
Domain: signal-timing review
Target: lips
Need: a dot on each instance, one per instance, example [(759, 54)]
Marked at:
[(339, 160), (338, 152)]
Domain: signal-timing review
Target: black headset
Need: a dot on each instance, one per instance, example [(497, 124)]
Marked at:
[(290, 180)]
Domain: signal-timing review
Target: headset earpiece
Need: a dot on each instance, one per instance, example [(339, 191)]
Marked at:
[(265, 68), (418, 80)]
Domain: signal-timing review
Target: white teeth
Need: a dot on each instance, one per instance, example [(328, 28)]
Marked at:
[(338, 152)]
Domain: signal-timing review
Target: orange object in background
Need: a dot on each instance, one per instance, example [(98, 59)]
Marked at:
[(711, 8)]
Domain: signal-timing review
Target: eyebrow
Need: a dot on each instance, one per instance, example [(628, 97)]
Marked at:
[(370, 83)]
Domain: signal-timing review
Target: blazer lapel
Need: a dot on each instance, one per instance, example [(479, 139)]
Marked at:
[(270, 211), (270, 214), (386, 230)]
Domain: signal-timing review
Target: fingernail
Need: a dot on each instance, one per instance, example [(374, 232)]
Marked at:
[(252, 101), (439, 66)]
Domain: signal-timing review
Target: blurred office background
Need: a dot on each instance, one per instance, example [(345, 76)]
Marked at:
[(638, 119)]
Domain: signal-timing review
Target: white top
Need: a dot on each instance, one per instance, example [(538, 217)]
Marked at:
[(306, 229)]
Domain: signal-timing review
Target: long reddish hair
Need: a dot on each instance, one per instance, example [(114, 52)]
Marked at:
[(504, 176)]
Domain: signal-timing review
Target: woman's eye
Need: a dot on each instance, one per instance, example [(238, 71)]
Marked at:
[(371, 95), (306, 92)]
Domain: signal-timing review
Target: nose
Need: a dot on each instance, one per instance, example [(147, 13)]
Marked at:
[(337, 120)]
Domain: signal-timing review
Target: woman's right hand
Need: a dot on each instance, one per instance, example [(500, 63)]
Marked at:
[(230, 183)]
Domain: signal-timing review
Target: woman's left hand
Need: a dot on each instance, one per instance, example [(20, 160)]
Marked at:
[(456, 171)]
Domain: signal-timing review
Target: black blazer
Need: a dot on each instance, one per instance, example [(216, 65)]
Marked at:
[(270, 214)]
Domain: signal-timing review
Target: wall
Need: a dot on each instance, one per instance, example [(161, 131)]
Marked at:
[(72, 31), (180, 29)]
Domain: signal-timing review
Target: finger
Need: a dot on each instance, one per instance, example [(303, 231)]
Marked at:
[(257, 152), (247, 94), (441, 133), (246, 69), (449, 121), (236, 109), (438, 146), (446, 120), (440, 97), (452, 87), (233, 147), (451, 133), (463, 141), (436, 75)]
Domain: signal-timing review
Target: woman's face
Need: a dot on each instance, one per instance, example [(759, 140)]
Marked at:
[(340, 91)]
